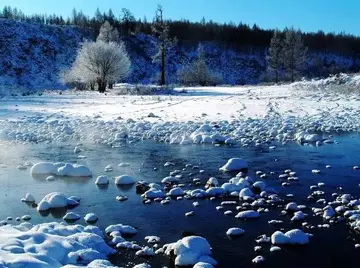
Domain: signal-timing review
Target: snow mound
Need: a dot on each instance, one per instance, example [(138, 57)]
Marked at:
[(123, 229), (292, 237), (51, 245), (248, 214), (56, 200), (177, 191), (190, 250), (60, 169), (102, 180), (124, 180), (234, 164), (235, 232), (91, 217)]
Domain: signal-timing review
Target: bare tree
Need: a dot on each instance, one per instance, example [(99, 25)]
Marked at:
[(100, 62), (161, 30)]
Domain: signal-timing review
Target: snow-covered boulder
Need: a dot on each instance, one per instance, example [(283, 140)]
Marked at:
[(28, 198), (71, 216), (153, 193), (292, 237), (124, 180), (177, 191), (60, 169), (102, 180), (234, 164), (123, 229), (91, 217), (235, 232), (55, 200), (248, 214), (190, 250)]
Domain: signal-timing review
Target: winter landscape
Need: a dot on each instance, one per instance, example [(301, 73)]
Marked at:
[(166, 142)]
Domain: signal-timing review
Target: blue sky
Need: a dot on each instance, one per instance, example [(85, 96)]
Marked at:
[(308, 15)]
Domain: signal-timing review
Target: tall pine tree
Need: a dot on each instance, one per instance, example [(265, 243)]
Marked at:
[(275, 56), (294, 53)]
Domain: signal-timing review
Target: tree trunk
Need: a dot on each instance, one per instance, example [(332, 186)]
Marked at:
[(162, 78), (92, 86), (111, 85), (101, 86)]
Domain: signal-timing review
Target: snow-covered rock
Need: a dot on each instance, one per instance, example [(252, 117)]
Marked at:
[(235, 232), (124, 180), (102, 180), (61, 169), (190, 250), (293, 237), (234, 164)]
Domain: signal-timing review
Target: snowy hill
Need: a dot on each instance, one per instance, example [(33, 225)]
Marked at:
[(32, 55)]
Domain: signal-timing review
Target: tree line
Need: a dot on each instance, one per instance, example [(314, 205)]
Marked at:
[(238, 36)]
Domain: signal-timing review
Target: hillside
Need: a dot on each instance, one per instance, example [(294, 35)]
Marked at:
[(32, 55)]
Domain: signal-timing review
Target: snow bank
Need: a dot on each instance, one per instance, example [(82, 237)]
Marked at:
[(50, 245)]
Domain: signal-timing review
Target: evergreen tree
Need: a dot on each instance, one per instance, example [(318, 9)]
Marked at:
[(294, 53), (108, 33), (275, 56), (161, 30), (198, 72)]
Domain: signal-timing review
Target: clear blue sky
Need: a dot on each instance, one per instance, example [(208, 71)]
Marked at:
[(308, 15)]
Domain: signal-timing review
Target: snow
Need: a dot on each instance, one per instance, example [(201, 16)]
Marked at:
[(234, 164), (248, 214), (145, 252), (203, 265), (177, 191), (28, 198), (153, 193), (60, 169), (71, 216), (235, 232), (124, 180), (123, 229), (55, 200), (50, 245), (91, 217), (190, 250), (277, 111), (102, 180), (293, 237)]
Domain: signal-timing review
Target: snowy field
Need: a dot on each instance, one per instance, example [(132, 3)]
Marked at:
[(265, 117), (198, 104)]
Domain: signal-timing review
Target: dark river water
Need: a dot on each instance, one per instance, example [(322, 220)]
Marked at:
[(332, 247)]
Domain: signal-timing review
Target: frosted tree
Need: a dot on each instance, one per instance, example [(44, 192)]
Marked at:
[(294, 53), (100, 62), (108, 33), (161, 31), (198, 72), (275, 55)]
